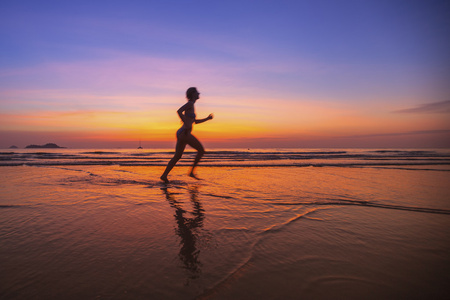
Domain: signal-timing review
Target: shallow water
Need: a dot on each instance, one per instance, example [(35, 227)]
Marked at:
[(116, 232)]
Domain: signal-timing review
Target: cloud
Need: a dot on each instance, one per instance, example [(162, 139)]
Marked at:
[(429, 108)]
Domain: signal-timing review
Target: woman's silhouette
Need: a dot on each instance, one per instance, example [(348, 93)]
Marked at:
[(184, 136)]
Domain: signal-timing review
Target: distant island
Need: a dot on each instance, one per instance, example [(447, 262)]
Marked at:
[(49, 145), (13, 147)]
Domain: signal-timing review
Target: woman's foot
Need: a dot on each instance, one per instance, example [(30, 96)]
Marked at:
[(194, 176), (164, 178)]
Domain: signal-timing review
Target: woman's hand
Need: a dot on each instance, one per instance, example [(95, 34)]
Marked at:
[(210, 117)]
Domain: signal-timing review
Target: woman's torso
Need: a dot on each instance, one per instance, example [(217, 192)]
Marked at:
[(189, 119)]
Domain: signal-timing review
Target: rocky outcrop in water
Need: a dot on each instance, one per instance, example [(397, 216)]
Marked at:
[(49, 145)]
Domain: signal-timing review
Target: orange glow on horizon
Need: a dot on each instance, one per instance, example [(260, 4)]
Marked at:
[(270, 121)]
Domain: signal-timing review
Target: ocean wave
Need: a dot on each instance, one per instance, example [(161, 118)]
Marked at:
[(238, 164), (230, 158), (341, 202)]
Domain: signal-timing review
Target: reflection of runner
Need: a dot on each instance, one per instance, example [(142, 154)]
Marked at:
[(184, 136), (187, 230)]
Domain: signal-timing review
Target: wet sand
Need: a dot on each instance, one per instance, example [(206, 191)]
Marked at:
[(112, 232)]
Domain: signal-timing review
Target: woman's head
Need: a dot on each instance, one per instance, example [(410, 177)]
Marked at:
[(192, 94)]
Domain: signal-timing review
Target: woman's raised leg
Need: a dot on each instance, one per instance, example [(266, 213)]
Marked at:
[(195, 143)]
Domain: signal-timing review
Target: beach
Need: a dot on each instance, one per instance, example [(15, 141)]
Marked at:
[(263, 224)]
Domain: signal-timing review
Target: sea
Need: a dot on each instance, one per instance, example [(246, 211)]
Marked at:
[(230, 157), (257, 224)]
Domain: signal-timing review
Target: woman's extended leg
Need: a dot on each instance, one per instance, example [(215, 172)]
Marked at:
[(195, 143), (179, 149)]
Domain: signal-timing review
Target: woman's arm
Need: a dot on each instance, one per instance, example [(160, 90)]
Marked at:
[(183, 109), (210, 117), (180, 114)]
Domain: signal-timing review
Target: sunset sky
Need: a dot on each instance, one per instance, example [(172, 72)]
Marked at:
[(97, 74)]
